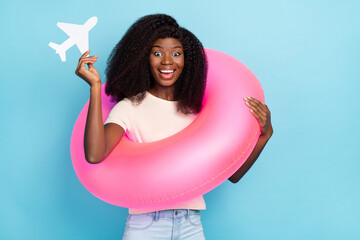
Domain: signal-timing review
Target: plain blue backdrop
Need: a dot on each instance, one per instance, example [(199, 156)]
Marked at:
[(305, 184)]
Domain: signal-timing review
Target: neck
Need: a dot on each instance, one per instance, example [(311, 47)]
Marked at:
[(166, 93)]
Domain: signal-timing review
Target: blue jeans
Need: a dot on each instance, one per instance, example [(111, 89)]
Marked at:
[(171, 224)]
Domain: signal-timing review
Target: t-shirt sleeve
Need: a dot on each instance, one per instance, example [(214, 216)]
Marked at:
[(120, 114)]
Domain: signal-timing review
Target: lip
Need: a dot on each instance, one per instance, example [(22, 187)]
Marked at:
[(167, 74), (167, 70)]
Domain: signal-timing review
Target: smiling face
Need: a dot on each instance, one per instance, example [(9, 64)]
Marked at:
[(166, 63)]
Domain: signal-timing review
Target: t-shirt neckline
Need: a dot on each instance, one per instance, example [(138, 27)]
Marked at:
[(159, 99)]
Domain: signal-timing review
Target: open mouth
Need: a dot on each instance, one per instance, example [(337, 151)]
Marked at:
[(167, 73)]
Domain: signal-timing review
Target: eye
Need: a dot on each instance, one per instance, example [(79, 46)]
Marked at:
[(176, 54), (157, 54)]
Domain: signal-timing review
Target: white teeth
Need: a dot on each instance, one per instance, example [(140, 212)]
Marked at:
[(167, 71)]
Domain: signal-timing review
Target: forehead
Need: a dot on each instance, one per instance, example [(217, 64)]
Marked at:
[(168, 42)]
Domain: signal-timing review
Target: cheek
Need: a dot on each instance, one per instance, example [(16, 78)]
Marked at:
[(181, 63), (152, 67), (153, 72), (153, 62)]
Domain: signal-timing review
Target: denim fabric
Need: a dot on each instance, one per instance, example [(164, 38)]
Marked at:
[(171, 224)]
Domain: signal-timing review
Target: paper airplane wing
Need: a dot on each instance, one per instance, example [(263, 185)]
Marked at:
[(69, 28), (78, 33)]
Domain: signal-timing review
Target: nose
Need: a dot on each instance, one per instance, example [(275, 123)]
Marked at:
[(167, 59)]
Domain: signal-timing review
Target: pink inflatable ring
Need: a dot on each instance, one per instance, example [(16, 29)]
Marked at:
[(185, 165)]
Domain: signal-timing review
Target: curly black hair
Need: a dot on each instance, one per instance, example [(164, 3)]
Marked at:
[(128, 69)]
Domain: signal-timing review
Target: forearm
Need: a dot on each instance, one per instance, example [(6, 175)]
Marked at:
[(263, 139), (94, 137)]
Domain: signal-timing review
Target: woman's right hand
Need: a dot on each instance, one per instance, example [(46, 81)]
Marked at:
[(91, 75)]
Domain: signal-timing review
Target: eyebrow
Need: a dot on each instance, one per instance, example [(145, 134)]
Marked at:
[(163, 47)]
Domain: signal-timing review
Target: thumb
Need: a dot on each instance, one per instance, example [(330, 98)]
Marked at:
[(91, 66)]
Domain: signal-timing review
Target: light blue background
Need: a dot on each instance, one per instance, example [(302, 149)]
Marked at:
[(306, 183)]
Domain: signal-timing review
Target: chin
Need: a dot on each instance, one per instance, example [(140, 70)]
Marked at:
[(166, 83)]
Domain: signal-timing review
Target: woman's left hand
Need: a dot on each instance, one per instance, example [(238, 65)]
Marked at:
[(262, 113)]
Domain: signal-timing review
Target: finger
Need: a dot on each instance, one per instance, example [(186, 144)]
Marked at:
[(84, 57), (89, 58), (254, 99), (86, 60), (262, 123), (256, 115), (82, 64), (91, 66), (263, 108), (259, 116), (85, 54), (89, 62), (257, 108), (256, 102)]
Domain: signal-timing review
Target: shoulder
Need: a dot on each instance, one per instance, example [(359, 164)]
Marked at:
[(123, 103), (128, 103)]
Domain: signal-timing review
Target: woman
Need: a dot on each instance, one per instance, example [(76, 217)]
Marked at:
[(157, 74)]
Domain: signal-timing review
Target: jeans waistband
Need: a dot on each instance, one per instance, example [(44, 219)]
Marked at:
[(172, 213)]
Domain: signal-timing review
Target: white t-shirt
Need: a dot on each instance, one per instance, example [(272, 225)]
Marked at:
[(152, 120)]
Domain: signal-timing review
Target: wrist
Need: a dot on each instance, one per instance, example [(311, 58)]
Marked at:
[(95, 90), (267, 135), (96, 85)]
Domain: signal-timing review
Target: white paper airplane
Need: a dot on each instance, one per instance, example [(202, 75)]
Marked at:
[(78, 34)]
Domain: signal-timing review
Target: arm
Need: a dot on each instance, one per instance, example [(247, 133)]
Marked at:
[(99, 140), (262, 114)]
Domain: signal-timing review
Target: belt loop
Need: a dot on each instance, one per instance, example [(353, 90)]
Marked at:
[(187, 215), (156, 216)]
